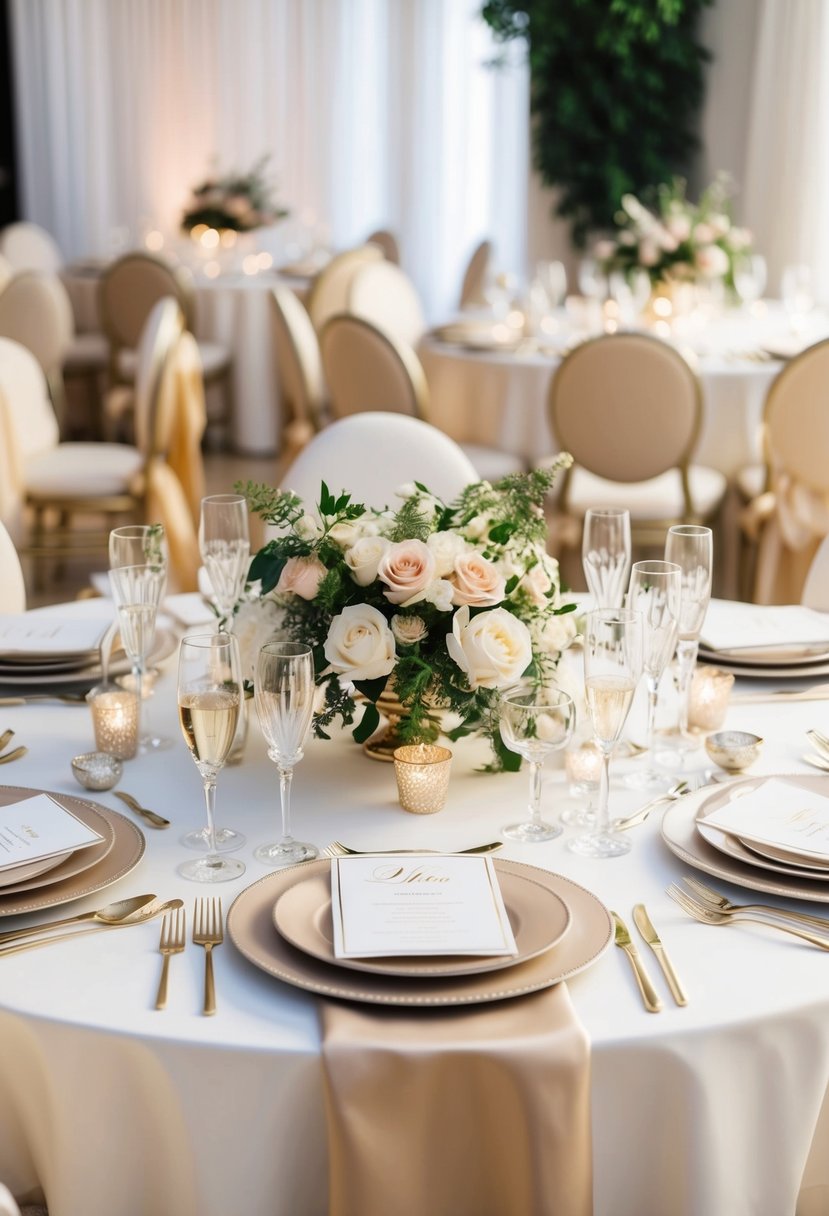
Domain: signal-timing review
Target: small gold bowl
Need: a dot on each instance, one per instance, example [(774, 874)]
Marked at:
[(97, 770), (733, 750)]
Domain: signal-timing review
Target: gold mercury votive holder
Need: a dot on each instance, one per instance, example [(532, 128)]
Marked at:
[(422, 771), (708, 702), (115, 713)]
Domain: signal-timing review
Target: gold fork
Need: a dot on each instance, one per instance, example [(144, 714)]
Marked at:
[(337, 849), (707, 916), (173, 932), (719, 903), (208, 931)]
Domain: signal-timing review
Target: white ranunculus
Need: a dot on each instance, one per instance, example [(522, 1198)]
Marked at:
[(364, 557), (360, 644), (408, 629), (440, 593), (494, 648)]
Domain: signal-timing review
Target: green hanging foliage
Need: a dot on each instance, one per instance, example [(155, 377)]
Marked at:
[(616, 87)]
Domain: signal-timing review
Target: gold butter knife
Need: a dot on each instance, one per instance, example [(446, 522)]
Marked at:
[(645, 926), (649, 994), (158, 821)]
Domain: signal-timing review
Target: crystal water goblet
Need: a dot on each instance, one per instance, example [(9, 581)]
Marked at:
[(209, 696), (691, 547), (534, 722), (655, 591), (612, 667), (284, 697), (137, 592), (606, 553)]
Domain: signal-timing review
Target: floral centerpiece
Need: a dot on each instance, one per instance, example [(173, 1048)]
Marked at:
[(235, 201), (445, 604), (676, 240)]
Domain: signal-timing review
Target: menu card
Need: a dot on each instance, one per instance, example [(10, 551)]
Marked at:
[(418, 903), (23, 633), (39, 827), (780, 814), (734, 626)]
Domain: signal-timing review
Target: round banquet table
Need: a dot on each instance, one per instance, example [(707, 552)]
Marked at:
[(111, 1106)]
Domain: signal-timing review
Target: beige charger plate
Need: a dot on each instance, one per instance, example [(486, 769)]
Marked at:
[(250, 928), (125, 849), (539, 919)]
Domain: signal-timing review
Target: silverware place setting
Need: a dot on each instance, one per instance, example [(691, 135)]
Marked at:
[(121, 915), (173, 940), (151, 817), (337, 849), (16, 753), (208, 931), (702, 909)]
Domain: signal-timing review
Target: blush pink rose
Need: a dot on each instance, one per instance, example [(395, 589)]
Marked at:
[(477, 581), (407, 568), (303, 576)]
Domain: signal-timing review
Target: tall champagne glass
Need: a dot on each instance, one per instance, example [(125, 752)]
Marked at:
[(137, 592), (284, 694), (691, 547), (209, 696), (654, 592), (224, 545), (606, 554), (535, 722), (612, 667), (142, 545)]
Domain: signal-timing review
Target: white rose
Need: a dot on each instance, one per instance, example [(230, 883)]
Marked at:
[(719, 224), (679, 227), (712, 261), (603, 250), (363, 558), (308, 528), (704, 234), (536, 583), (556, 633), (407, 490), (408, 629), (360, 644), (648, 252), (255, 623), (478, 527), (345, 533), (494, 648), (446, 546), (440, 593)]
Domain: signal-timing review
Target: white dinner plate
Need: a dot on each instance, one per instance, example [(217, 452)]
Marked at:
[(163, 646), (748, 671), (771, 656)]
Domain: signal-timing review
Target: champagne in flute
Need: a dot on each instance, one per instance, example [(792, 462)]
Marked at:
[(655, 593), (606, 553)]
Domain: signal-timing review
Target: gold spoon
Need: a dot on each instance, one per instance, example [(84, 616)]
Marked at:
[(153, 909), (111, 914)]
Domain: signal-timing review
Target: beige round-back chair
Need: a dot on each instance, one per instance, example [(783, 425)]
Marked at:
[(328, 294), (299, 368), (387, 241), (384, 294)]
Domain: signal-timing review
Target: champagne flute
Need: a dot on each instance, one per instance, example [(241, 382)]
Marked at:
[(209, 696), (284, 694), (224, 545), (535, 722), (691, 547), (612, 667), (606, 553), (137, 592), (655, 591)]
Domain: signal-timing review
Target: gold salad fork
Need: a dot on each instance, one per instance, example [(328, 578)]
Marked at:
[(718, 903), (208, 931), (337, 849), (173, 933), (707, 916)]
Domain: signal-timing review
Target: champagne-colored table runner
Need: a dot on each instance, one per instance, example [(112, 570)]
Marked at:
[(477, 1111)]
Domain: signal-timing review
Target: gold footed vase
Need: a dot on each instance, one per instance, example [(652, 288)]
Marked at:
[(382, 744)]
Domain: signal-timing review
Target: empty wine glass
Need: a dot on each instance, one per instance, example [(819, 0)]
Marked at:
[(606, 554), (691, 547), (750, 275), (284, 694), (137, 592), (797, 294), (224, 545), (612, 667), (553, 278), (654, 593), (535, 722), (209, 696)]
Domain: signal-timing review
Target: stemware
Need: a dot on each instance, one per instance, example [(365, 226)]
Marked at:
[(797, 293), (691, 547), (137, 592), (284, 694), (224, 545), (535, 722), (655, 591), (209, 696), (750, 273), (606, 554), (612, 667)]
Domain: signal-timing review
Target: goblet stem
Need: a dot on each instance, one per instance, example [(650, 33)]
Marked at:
[(686, 652), (285, 781), (138, 682), (602, 825), (210, 806), (535, 793), (653, 694)]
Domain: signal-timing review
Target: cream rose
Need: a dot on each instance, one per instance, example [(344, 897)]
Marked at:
[(363, 558), (308, 528), (712, 261), (536, 583), (360, 644), (477, 581), (303, 576), (493, 648), (408, 629), (345, 533), (446, 546), (407, 568)]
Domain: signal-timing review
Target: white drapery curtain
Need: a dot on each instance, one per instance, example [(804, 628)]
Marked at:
[(374, 113), (786, 194)]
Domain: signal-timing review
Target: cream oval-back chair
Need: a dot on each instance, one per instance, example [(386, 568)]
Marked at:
[(299, 368), (328, 293), (12, 586), (386, 241), (790, 517), (473, 287), (6, 273), (367, 369), (628, 408), (27, 246), (35, 311), (383, 293)]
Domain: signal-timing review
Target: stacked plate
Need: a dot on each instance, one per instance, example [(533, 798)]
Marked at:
[(75, 668), (478, 335), (766, 642), (282, 924), (60, 879), (796, 872)]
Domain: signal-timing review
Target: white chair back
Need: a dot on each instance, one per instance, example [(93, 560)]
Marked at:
[(35, 311), (12, 599), (367, 369), (382, 293), (329, 291), (27, 246), (24, 400)]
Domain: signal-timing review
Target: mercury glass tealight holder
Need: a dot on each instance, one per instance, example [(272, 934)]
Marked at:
[(710, 692), (583, 766), (115, 714), (97, 770), (422, 771)]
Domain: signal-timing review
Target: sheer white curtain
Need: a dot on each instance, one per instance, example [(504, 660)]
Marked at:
[(374, 112), (786, 194)]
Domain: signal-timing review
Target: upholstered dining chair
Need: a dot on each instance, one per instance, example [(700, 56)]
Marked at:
[(473, 286), (788, 512), (386, 241), (381, 292), (128, 290), (35, 311), (28, 246), (299, 369), (368, 369), (628, 408), (328, 294), (6, 272), (12, 590)]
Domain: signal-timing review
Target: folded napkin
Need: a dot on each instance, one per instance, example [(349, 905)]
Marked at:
[(473, 1111), (735, 626)]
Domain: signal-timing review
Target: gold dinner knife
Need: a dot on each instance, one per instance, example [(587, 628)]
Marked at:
[(645, 926), (649, 994)]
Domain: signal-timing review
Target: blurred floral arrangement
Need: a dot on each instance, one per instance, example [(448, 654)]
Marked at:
[(239, 202), (440, 604), (677, 240)]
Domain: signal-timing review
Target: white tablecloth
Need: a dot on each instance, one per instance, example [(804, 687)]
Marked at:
[(710, 1110)]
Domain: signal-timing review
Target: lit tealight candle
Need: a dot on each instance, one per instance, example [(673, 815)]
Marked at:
[(115, 721), (708, 703), (422, 771), (583, 766)]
